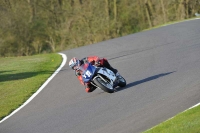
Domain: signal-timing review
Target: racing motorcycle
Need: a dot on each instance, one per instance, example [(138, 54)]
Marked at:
[(101, 77)]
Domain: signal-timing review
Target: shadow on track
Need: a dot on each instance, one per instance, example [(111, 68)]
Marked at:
[(129, 85)]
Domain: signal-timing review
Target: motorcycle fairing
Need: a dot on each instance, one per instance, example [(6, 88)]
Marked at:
[(88, 72), (108, 73)]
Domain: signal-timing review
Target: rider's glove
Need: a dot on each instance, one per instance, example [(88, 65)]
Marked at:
[(97, 63), (77, 73)]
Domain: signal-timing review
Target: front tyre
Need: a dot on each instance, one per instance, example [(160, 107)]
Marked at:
[(106, 86)]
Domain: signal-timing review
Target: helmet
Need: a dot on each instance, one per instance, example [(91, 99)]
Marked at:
[(74, 63)]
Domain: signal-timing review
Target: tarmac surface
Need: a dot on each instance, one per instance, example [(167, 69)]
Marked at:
[(162, 70)]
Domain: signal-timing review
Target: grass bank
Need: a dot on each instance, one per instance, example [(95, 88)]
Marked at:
[(20, 77), (185, 122)]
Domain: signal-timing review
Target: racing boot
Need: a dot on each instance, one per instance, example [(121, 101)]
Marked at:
[(89, 87)]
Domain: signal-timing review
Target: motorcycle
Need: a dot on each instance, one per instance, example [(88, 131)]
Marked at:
[(101, 77)]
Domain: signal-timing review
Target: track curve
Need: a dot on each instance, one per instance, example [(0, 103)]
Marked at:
[(162, 69)]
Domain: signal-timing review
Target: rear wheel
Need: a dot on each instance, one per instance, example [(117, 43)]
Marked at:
[(122, 82), (104, 85)]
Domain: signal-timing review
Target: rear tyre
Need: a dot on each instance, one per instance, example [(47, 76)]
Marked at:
[(122, 82), (105, 86)]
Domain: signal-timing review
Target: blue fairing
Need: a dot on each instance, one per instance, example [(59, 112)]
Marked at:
[(88, 72)]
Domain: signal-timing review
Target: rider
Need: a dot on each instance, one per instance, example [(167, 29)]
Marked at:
[(75, 63)]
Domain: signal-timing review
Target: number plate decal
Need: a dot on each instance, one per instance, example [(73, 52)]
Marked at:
[(87, 74)]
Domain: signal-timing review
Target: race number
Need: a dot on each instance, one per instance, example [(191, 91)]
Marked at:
[(88, 74)]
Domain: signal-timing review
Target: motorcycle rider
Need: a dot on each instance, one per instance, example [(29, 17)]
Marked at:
[(75, 63)]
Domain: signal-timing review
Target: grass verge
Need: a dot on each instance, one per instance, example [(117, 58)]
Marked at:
[(20, 77), (185, 122)]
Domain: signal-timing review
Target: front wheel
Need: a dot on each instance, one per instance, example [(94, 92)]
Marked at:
[(106, 86)]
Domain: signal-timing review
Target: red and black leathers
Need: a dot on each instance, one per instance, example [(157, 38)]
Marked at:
[(94, 60)]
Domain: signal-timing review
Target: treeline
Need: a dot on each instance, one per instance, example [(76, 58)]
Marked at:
[(39, 26)]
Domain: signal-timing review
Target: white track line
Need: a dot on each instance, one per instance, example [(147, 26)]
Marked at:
[(194, 106), (174, 116), (198, 104), (40, 89), (49, 79)]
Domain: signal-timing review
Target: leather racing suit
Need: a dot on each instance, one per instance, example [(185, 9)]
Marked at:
[(94, 60)]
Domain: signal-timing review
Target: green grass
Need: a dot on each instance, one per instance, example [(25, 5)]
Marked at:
[(20, 77), (185, 122)]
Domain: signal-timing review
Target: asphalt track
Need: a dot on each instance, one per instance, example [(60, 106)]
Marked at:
[(162, 69)]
